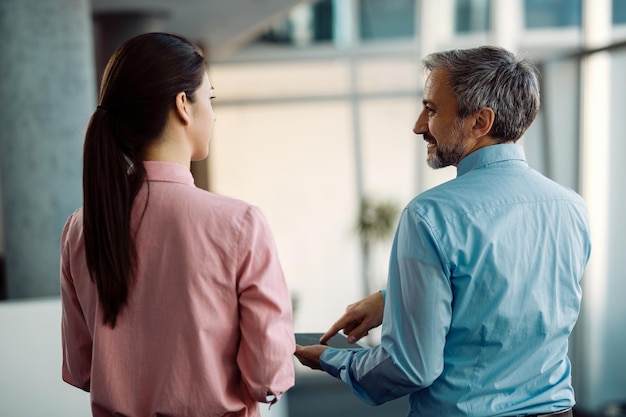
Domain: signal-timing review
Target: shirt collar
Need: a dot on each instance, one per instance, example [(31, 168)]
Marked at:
[(167, 172), (489, 155)]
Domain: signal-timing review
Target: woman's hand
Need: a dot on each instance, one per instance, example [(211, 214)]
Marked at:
[(310, 355)]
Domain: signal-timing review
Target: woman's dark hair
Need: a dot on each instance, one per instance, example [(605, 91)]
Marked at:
[(139, 88)]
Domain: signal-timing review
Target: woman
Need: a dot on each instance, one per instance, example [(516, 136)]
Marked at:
[(174, 301)]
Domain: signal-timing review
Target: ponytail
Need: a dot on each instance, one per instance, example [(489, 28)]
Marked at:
[(109, 189), (138, 89)]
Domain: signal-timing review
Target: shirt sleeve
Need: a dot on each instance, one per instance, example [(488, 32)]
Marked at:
[(75, 336), (416, 320), (267, 344)]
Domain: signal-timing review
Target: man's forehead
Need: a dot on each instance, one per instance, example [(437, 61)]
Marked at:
[(437, 83), (436, 78)]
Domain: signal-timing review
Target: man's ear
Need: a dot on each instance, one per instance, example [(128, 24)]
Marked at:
[(483, 121), (182, 107)]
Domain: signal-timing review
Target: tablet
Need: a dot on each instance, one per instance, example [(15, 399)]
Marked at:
[(339, 340)]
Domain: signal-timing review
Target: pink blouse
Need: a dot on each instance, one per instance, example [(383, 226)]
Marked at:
[(208, 326)]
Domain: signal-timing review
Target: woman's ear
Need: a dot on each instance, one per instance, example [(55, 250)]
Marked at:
[(182, 108), (483, 121)]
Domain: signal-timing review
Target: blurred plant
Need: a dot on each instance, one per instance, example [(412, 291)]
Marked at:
[(376, 223)]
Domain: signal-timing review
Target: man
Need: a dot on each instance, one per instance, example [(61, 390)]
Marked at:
[(483, 287)]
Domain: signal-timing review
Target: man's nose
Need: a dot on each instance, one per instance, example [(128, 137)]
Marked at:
[(421, 125)]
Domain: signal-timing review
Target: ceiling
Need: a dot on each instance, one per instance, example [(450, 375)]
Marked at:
[(222, 25)]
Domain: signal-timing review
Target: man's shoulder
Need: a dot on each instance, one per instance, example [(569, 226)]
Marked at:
[(438, 202), (448, 193), (485, 190)]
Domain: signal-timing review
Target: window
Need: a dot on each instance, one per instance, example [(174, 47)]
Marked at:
[(471, 16), (323, 21), (552, 13), (619, 12), (386, 19), (307, 24)]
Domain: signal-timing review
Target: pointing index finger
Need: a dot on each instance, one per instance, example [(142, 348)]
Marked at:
[(330, 333)]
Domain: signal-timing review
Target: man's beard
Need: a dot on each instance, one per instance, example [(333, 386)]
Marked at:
[(451, 155)]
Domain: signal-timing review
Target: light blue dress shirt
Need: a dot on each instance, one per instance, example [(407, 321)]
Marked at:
[(482, 294)]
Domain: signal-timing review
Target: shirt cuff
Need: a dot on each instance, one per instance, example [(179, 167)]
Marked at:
[(333, 361)]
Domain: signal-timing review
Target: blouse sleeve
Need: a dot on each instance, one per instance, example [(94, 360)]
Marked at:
[(267, 345), (76, 338)]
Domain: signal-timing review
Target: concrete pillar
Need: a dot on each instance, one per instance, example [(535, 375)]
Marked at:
[(47, 96)]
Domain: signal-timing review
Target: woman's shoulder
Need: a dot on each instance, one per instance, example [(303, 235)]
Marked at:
[(227, 206), (73, 229), (220, 200), (73, 221)]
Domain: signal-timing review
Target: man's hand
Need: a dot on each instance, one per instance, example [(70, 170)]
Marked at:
[(358, 319), (310, 355)]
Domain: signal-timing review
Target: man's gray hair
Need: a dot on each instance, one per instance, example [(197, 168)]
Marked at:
[(493, 77)]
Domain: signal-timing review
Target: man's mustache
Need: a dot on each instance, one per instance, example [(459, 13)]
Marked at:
[(429, 138)]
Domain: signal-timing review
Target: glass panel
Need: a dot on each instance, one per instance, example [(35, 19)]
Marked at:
[(296, 161), (274, 80), (619, 11), (390, 150), (471, 16), (387, 75), (552, 13), (386, 19), (323, 21), (305, 25)]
